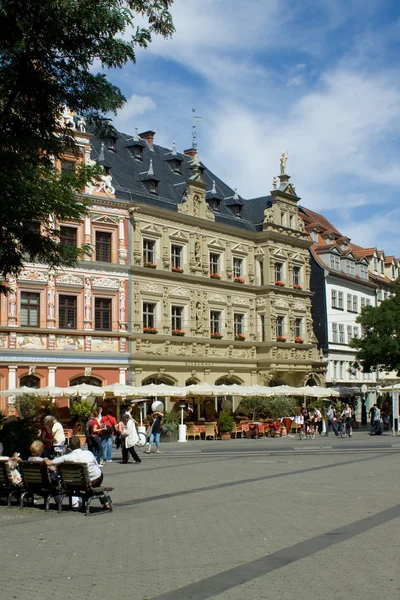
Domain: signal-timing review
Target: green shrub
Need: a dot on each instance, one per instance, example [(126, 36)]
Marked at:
[(170, 422), (270, 407), (81, 411), (225, 422), (26, 406)]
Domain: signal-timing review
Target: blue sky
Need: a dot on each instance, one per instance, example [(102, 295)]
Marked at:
[(317, 78)]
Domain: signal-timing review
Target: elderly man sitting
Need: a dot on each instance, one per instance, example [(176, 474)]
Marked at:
[(83, 456)]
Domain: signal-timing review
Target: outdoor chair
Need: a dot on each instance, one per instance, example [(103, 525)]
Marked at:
[(210, 431), (75, 482), (191, 431), (236, 430), (36, 481), (7, 487)]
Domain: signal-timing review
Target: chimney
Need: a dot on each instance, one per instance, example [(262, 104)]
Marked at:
[(148, 136), (191, 152)]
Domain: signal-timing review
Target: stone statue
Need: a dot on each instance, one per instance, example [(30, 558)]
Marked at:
[(199, 316), (283, 161), (274, 183), (197, 255)]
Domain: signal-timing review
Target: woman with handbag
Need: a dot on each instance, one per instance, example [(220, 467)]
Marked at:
[(129, 439), (154, 431)]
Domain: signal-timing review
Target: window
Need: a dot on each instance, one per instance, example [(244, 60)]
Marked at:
[(67, 166), (349, 333), (341, 300), (382, 267), (278, 271), (176, 317), (68, 236), (350, 267), (103, 246), (214, 263), (262, 327), (280, 326), (335, 333), (261, 271), (149, 315), (238, 323), (355, 304), (153, 187), (291, 221), (237, 211), (349, 302), (176, 166), (362, 303), (368, 302), (363, 271), (297, 275), (138, 152), (335, 363), (341, 369), (355, 332), (67, 312), (148, 251), (334, 298), (102, 314), (334, 262), (237, 267), (213, 204), (283, 218), (29, 309), (215, 321), (176, 256), (393, 272), (29, 381), (375, 264), (341, 333), (298, 328)]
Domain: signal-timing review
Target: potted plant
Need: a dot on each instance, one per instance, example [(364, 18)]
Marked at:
[(177, 269), (279, 283), (225, 422), (298, 340), (240, 337), (280, 338), (239, 279), (150, 265), (297, 286), (169, 426), (81, 409), (215, 276), (178, 332), (150, 330), (216, 335)]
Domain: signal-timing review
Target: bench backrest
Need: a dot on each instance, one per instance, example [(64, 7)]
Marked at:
[(74, 476), (34, 474)]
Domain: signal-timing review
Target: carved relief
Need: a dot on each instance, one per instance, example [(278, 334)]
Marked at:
[(298, 305), (37, 342), (152, 288), (32, 275), (3, 341), (106, 282), (181, 292), (69, 279), (104, 344), (69, 342), (260, 302)]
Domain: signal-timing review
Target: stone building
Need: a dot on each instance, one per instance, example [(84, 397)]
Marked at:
[(219, 285)]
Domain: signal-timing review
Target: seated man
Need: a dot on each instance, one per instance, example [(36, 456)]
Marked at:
[(83, 456)]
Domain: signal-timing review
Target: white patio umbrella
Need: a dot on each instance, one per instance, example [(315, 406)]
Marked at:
[(120, 390), (20, 391), (50, 390), (316, 391), (84, 389), (389, 388), (159, 390)]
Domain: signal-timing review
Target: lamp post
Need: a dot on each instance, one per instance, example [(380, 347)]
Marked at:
[(182, 426)]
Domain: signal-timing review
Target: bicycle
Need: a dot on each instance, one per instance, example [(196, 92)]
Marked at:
[(343, 428), (307, 430), (142, 439)]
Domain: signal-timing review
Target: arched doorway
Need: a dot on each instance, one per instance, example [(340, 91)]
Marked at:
[(31, 381), (85, 379), (157, 380), (192, 381), (229, 380)]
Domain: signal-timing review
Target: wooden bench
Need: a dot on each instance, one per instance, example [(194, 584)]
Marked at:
[(7, 487), (36, 481), (75, 482)]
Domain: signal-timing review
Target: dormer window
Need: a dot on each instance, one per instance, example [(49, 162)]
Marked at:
[(382, 268), (138, 152), (176, 166), (237, 211), (112, 143), (153, 187), (214, 204), (375, 264)]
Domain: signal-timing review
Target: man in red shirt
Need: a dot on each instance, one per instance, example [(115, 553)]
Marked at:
[(107, 434)]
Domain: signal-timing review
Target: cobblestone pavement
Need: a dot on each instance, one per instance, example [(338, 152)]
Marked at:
[(280, 519)]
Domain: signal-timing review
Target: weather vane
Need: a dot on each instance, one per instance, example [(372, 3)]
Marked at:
[(195, 118)]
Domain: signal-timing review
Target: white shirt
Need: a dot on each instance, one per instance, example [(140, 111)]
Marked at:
[(83, 456), (58, 432), (317, 414)]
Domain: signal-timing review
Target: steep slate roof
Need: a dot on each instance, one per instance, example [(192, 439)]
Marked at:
[(129, 180)]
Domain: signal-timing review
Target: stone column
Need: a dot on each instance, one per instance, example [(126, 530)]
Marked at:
[(88, 235), (165, 251), (228, 261), (290, 274), (122, 307), (12, 301), (122, 375), (122, 251), (12, 377), (51, 376), (251, 265), (51, 300), (87, 317)]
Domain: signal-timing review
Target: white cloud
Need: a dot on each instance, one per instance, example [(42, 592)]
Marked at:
[(135, 105)]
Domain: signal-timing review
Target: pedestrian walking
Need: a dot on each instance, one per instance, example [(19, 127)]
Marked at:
[(376, 424), (95, 431), (330, 415), (109, 424), (129, 439), (347, 416), (154, 431)]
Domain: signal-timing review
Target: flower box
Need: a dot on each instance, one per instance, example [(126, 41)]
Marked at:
[(279, 283), (240, 337), (150, 265), (280, 338), (239, 279), (215, 276), (217, 336), (177, 269), (150, 330), (298, 340), (178, 332), (297, 286)]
